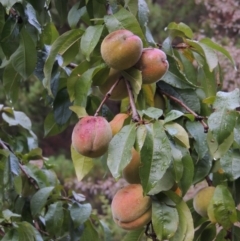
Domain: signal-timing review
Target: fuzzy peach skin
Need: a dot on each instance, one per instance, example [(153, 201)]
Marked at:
[(130, 209), (120, 91), (117, 122), (91, 136), (137, 223), (153, 64), (121, 49)]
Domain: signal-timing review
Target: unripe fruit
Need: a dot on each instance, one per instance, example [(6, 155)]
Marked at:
[(91, 136), (131, 171), (153, 64), (117, 122), (130, 209), (202, 200), (121, 49), (120, 91)]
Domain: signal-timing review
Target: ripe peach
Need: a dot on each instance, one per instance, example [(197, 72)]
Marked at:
[(153, 64), (121, 49), (130, 209), (120, 91), (131, 171), (202, 200), (117, 122), (91, 136)]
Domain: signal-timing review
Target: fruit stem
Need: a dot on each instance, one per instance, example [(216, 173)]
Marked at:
[(196, 116), (107, 96), (135, 115)]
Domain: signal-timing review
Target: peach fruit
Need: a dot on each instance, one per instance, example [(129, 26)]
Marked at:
[(91, 136), (117, 122), (202, 200), (153, 64), (130, 209), (121, 49), (120, 91), (131, 171)]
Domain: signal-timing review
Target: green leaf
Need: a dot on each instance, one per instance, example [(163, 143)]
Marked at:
[(27, 232), (155, 155), (62, 9), (177, 165), (134, 235), (202, 168), (221, 235), (219, 48), (200, 138), (90, 39), (9, 3), (119, 150), (188, 173), (172, 115), (54, 218), (75, 14), (165, 183), (223, 207), (182, 27), (10, 37), (18, 118), (123, 19), (185, 230), (230, 164), (60, 46), (83, 84), (80, 213), (8, 214), (221, 123), (140, 137), (2, 17), (134, 77), (165, 219), (61, 105), (177, 131), (11, 82), (153, 113), (25, 58), (81, 164), (49, 34), (39, 200), (89, 232), (209, 233), (51, 127), (207, 52)]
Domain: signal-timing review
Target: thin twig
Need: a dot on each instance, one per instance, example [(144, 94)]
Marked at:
[(209, 181), (30, 179), (178, 46), (36, 225), (196, 116), (135, 115), (107, 96)]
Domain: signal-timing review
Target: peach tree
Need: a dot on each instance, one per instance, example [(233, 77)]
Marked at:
[(173, 127)]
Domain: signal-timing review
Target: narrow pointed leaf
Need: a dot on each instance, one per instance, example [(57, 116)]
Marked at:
[(119, 150), (81, 164), (25, 58)]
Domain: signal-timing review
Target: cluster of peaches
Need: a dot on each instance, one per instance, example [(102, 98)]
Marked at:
[(121, 50)]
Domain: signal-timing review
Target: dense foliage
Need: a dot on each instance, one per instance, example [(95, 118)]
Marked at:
[(191, 136)]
